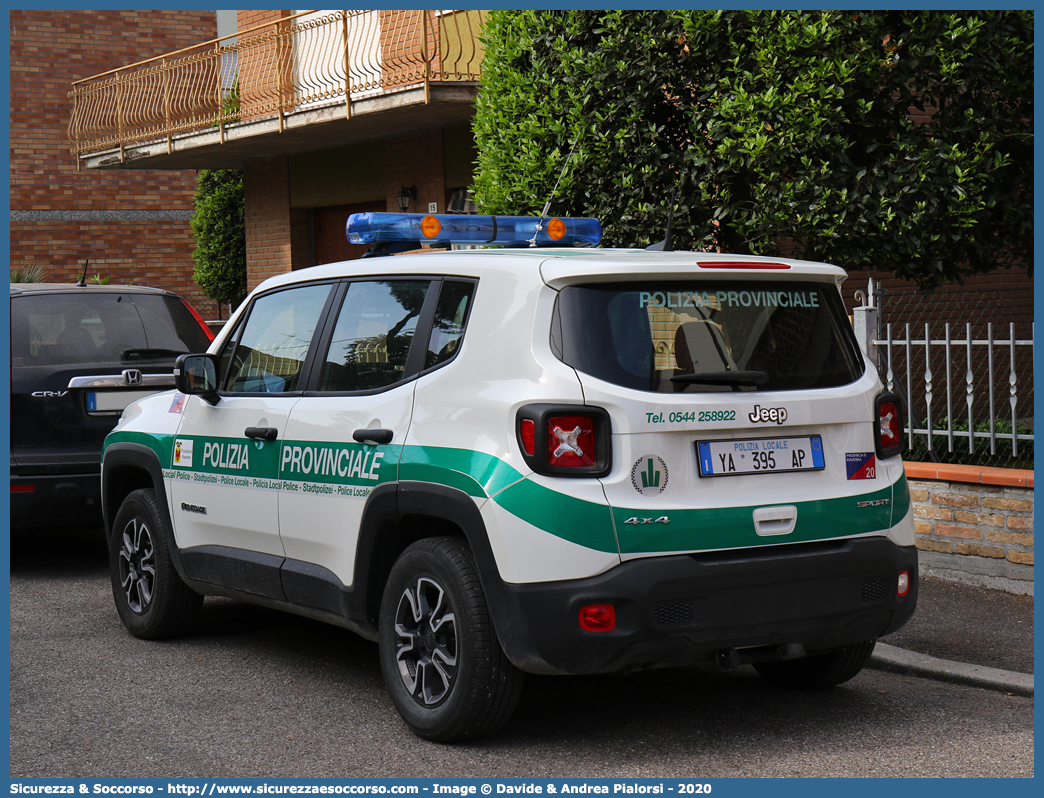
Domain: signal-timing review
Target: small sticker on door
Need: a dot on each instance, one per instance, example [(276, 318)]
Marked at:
[(183, 453), (861, 465)]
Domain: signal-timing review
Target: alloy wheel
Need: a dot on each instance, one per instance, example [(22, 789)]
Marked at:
[(426, 649), (138, 565)]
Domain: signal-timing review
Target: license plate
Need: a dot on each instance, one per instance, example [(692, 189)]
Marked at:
[(107, 402), (760, 456)]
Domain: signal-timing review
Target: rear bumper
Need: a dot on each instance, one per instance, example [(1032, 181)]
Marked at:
[(55, 500), (682, 609)]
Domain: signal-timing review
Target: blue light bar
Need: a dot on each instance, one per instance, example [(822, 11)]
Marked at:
[(449, 228)]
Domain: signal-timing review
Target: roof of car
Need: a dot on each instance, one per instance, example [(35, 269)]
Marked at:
[(557, 267), (61, 288)]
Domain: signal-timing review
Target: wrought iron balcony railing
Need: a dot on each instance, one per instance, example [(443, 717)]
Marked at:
[(310, 60)]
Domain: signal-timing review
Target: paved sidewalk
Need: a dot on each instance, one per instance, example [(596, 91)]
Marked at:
[(966, 634)]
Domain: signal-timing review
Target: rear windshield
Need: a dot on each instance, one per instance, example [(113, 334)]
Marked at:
[(89, 327), (696, 337)]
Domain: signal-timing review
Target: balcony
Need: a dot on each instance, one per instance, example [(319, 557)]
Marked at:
[(314, 80)]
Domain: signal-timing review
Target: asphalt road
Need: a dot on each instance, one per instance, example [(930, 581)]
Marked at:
[(971, 624), (257, 693)]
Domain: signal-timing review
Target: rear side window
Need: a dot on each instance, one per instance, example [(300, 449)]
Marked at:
[(696, 337), (451, 314), (96, 327), (372, 338)]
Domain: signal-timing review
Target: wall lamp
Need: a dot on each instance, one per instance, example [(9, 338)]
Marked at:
[(405, 195)]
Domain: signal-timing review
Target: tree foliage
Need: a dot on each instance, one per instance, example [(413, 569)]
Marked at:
[(898, 141), (220, 229)]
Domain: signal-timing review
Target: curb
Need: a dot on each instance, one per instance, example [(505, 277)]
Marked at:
[(898, 660)]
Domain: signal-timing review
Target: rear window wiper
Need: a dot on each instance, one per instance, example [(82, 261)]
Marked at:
[(146, 352), (724, 378)]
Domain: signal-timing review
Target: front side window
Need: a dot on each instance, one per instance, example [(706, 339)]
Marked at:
[(373, 334), (274, 342), (695, 337)]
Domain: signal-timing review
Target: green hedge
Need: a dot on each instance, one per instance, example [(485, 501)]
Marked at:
[(220, 229), (886, 140)]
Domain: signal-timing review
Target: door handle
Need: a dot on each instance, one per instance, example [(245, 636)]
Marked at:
[(775, 520), (261, 433), (373, 435)]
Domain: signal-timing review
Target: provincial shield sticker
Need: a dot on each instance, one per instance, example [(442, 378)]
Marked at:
[(861, 465), (183, 453)]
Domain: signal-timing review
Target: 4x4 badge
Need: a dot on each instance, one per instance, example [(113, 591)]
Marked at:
[(649, 475)]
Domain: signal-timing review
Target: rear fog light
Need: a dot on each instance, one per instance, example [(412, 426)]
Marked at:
[(598, 618)]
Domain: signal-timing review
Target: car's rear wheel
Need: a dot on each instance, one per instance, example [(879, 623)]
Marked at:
[(818, 671), (150, 597), (444, 668)]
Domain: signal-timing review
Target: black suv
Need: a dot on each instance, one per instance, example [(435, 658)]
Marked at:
[(79, 355)]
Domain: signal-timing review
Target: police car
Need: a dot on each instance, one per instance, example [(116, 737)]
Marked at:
[(537, 456)]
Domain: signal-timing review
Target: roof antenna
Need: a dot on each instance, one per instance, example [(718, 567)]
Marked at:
[(83, 277), (665, 245), (547, 206)]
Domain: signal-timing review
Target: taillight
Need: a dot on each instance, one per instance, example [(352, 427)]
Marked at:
[(570, 441), (195, 314), (22, 488), (527, 434), (565, 440), (888, 425)]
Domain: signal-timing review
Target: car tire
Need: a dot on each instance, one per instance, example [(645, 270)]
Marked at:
[(818, 671), (151, 599), (443, 665)]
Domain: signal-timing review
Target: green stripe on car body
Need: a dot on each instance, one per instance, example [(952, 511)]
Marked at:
[(593, 525), (477, 474), (162, 445), (733, 527)]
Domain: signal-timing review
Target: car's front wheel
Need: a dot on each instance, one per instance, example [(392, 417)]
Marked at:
[(444, 668), (150, 597), (817, 671)]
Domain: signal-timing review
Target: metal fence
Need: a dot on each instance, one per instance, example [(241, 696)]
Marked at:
[(301, 62), (964, 372)]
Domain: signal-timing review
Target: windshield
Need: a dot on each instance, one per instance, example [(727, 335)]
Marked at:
[(697, 337)]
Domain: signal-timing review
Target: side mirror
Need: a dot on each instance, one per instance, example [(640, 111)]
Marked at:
[(196, 375)]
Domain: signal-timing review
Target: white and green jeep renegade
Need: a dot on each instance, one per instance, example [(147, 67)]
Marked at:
[(554, 460)]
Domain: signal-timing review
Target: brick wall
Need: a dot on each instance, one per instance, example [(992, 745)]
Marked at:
[(979, 515), (148, 253), (1002, 296), (132, 224), (249, 19), (416, 159), (266, 197)]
